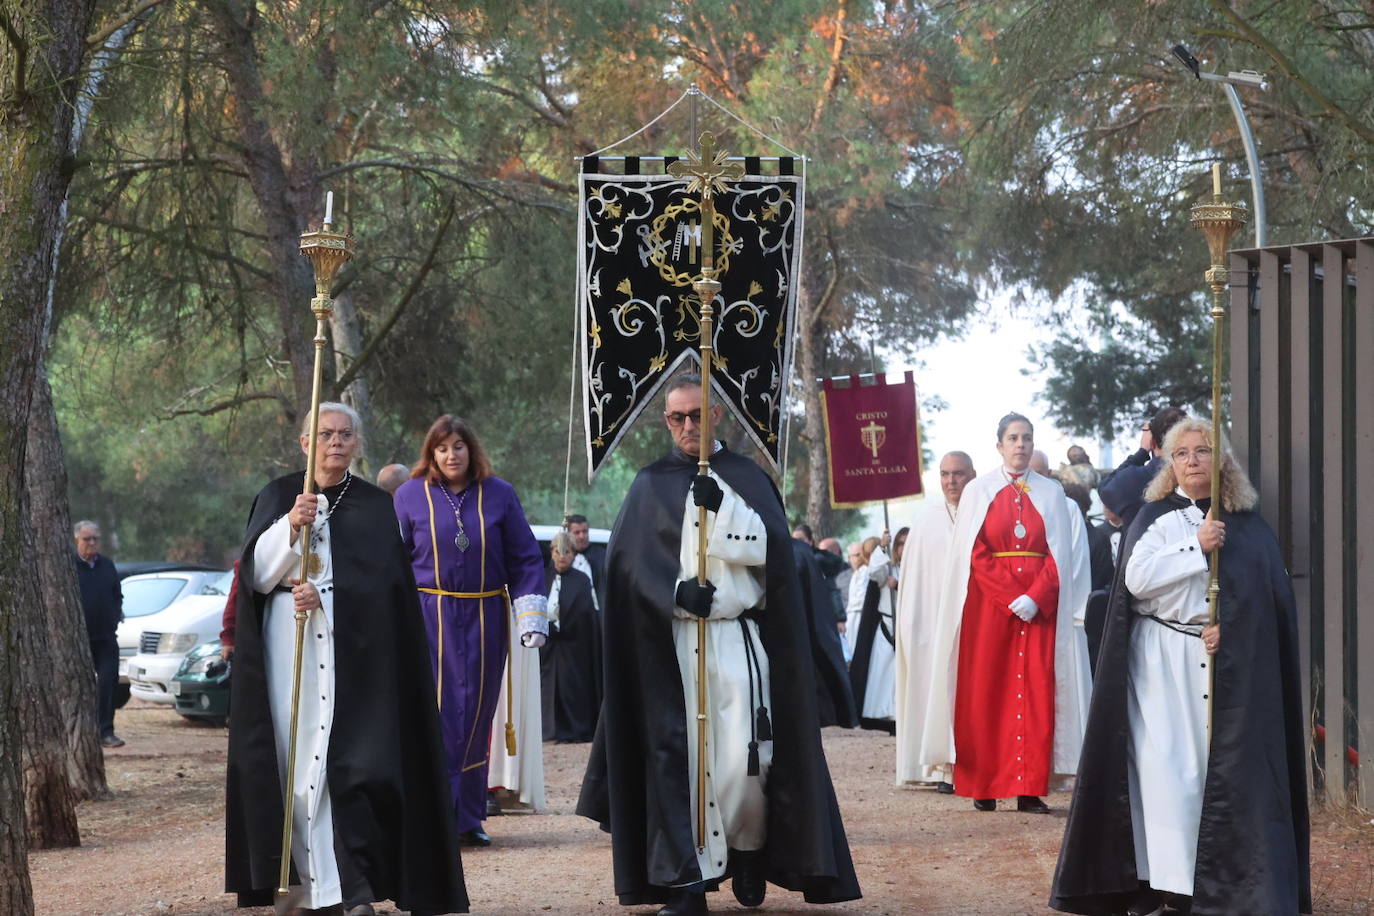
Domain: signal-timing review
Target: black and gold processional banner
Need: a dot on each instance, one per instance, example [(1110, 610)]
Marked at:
[(639, 239)]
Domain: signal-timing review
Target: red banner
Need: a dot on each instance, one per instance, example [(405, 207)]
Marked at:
[(872, 440)]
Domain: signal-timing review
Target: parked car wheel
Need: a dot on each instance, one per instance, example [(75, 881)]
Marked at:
[(121, 695)]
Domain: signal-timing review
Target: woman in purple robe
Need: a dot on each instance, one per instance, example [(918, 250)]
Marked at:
[(475, 562)]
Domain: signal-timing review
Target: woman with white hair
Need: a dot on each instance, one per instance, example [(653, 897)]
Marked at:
[(1166, 810), (370, 817)]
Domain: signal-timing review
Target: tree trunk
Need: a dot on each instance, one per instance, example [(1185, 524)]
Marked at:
[(44, 50), (348, 343), (279, 200), (49, 801), (45, 477), (818, 511)]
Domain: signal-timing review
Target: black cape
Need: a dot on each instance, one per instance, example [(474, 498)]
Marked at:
[(636, 784), (1252, 854), (834, 701), (571, 660), (388, 783), (872, 626)]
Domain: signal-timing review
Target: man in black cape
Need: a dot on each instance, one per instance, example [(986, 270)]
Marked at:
[(834, 699), (1252, 851), (638, 778), (393, 833)]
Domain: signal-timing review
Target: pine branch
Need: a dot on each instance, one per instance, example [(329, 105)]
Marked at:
[(120, 21), (21, 59), (1254, 37), (221, 406), (375, 342)]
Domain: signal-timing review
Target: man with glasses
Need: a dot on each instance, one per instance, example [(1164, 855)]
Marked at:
[(103, 604), (764, 743)]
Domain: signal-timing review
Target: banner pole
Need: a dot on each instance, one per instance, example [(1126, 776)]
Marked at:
[(327, 251), (707, 170), (1218, 221)]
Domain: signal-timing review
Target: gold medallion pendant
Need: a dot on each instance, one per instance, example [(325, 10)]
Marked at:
[(314, 566)]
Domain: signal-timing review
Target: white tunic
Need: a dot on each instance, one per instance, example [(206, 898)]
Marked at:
[(523, 773), (853, 609), (879, 690), (918, 603), (737, 548), (584, 566), (276, 560), (1166, 703)]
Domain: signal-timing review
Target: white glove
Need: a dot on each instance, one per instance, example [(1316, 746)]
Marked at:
[(532, 640), (1024, 607)]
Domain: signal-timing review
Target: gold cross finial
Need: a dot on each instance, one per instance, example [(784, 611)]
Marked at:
[(708, 170)]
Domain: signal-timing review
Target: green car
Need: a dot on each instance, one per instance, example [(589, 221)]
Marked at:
[(201, 685)]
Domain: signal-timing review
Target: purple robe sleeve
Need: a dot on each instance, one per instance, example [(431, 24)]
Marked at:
[(524, 568)]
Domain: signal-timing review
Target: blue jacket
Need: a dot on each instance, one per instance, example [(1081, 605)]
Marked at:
[(1124, 490)]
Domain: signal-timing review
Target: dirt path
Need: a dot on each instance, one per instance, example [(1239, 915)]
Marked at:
[(156, 847)]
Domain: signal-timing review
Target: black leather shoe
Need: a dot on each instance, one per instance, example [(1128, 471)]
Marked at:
[(1030, 804), (985, 804), (1148, 902), (748, 881), (945, 788), (111, 740), (686, 903), (474, 837)]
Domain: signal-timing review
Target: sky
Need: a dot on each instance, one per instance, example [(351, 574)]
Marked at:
[(981, 378)]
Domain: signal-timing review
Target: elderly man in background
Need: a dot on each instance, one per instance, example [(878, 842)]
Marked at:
[(918, 602), (392, 476), (103, 604)]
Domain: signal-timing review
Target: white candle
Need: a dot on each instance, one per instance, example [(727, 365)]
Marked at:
[(329, 207), (1216, 181)]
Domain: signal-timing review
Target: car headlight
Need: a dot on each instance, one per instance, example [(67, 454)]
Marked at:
[(171, 643), (197, 665), (199, 659)]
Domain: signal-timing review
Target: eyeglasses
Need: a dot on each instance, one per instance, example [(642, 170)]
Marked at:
[(90, 537), (677, 418), (343, 435), (1201, 453)]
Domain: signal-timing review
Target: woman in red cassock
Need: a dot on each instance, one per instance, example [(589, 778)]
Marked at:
[(1007, 621)]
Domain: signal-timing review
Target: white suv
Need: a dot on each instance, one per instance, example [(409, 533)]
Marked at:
[(169, 634), (146, 593)]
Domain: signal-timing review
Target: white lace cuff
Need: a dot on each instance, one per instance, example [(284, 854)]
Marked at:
[(530, 614)]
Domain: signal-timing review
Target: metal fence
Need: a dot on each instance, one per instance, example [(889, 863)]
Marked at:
[(1302, 409)]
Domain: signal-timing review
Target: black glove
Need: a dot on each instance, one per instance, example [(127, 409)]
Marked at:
[(706, 492), (695, 598)]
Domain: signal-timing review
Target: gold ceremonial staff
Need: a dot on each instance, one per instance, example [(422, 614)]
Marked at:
[(327, 251), (707, 172), (1218, 221)]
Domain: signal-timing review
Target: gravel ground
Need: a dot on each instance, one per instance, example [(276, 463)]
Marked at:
[(156, 846)]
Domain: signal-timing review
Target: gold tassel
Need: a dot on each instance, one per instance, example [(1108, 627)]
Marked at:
[(510, 698)]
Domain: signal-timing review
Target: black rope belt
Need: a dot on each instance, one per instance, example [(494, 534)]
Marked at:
[(760, 729), (1187, 629)]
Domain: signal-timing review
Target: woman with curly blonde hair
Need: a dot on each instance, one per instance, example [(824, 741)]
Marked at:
[(1169, 809)]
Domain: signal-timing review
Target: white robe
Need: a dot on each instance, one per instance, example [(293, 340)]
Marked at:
[(523, 773), (918, 604), (737, 548), (1082, 567), (1166, 704), (275, 560), (879, 690), (853, 610), (1073, 684)]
